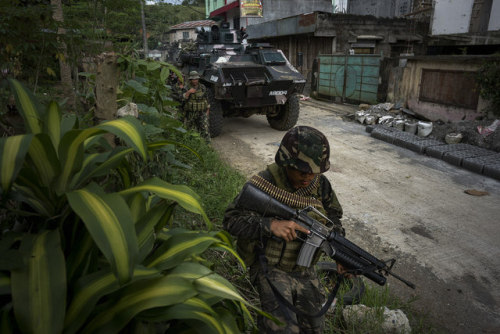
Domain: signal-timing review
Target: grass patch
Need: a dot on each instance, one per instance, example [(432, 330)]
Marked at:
[(213, 180), (377, 298)]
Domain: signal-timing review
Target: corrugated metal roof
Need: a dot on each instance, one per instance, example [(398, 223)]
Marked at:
[(193, 24)]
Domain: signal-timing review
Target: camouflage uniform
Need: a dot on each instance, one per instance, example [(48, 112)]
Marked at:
[(195, 108), (299, 285)]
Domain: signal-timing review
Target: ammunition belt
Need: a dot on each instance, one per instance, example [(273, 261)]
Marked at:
[(294, 200)]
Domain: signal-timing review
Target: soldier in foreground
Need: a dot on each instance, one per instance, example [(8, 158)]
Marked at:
[(195, 106), (270, 246)]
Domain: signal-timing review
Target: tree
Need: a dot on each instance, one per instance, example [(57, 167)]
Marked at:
[(64, 67), (488, 80), (27, 39), (144, 33)]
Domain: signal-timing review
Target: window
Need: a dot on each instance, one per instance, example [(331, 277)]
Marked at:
[(273, 57), (185, 35)]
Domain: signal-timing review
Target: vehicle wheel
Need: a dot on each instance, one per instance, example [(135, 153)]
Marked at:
[(287, 115), (215, 116)]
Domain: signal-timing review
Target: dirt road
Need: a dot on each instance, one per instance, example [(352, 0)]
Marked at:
[(398, 203)]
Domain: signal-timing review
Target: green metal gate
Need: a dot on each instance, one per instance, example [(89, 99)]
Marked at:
[(353, 78)]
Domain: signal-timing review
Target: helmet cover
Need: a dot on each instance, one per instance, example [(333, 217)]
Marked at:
[(305, 149), (193, 75)]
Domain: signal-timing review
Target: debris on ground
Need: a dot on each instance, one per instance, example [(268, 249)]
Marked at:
[(385, 113), (453, 138), (304, 98), (486, 130), (482, 132), (394, 321), (475, 192), (130, 109)]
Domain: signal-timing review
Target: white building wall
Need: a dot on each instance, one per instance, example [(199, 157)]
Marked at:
[(451, 17), (278, 9), (495, 16), (178, 35)]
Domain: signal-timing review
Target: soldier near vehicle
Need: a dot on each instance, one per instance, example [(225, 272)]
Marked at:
[(195, 106), (244, 79), (269, 245)]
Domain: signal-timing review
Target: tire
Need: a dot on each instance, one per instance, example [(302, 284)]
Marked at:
[(287, 115), (215, 117)]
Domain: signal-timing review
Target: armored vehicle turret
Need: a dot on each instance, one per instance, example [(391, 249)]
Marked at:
[(244, 79)]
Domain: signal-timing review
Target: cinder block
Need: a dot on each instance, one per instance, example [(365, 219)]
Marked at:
[(439, 150), (401, 138), (476, 164), (456, 157), (421, 146), (473, 165), (383, 133), (492, 170)]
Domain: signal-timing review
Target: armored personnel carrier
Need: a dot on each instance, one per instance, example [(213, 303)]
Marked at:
[(244, 79)]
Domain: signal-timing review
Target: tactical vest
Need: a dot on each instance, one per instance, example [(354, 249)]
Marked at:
[(283, 254), (197, 101)]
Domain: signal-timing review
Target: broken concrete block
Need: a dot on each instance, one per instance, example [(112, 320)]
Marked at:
[(399, 124), (410, 127), (453, 138), (370, 119), (130, 109), (424, 128), (394, 321)]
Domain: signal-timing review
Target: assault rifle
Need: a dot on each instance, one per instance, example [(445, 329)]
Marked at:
[(355, 259)]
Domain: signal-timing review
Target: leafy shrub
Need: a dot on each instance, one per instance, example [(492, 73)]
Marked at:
[(488, 79), (84, 252)]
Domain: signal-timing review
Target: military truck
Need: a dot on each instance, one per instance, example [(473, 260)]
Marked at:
[(244, 79)]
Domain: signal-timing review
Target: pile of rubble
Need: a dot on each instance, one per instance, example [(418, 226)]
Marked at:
[(396, 126), (484, 132), (391, 115)]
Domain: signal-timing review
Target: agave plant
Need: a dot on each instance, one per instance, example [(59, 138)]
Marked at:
[(87, 255)]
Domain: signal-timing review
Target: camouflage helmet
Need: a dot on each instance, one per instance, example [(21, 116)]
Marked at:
[(193, 75), (305, 149)]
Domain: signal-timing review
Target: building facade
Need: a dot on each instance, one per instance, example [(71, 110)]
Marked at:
[(380, 8), (231, 10), (465, 27), (186, 31)]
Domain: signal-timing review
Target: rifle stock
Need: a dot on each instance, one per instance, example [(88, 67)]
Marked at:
[(335, 245)]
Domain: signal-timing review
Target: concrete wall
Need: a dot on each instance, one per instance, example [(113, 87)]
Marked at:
[(177, 35), (324, 33), (386, 33), (405, 85), (380, 8), (277, 9), (494, 23), (451, 17)]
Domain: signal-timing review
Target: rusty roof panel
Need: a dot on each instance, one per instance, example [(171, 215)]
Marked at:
[(193, 24)]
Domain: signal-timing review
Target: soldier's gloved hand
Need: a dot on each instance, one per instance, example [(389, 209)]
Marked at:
[(343, 270), (286, 229)]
